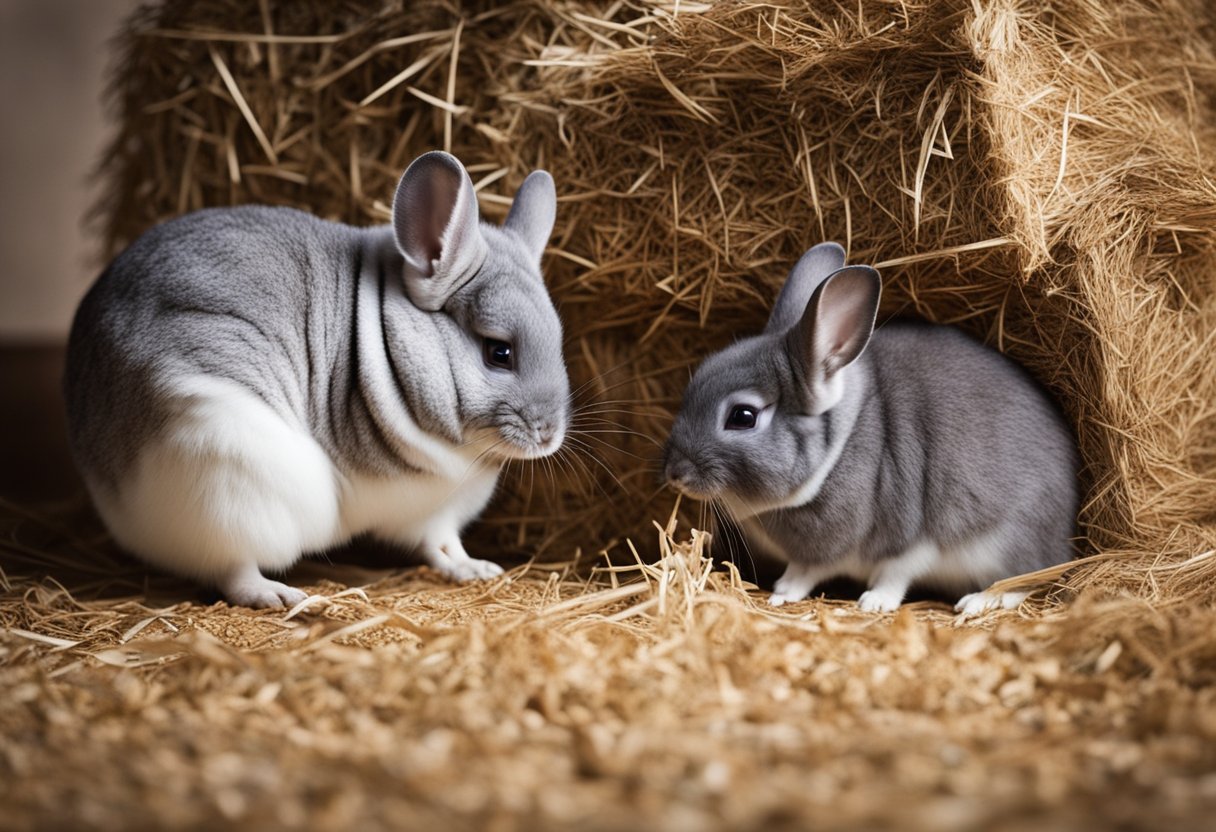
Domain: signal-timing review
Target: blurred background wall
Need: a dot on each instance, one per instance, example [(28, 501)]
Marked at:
[(53, 57), (52, 128)]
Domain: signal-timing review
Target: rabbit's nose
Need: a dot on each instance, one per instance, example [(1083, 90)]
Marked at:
[(679, 471)]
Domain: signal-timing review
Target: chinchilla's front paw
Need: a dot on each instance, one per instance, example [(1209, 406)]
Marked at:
[(247, 587), (451, 561), (879, 600), (472, 569)]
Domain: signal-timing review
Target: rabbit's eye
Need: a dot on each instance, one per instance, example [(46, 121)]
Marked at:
[(498, 353), (742, 417)]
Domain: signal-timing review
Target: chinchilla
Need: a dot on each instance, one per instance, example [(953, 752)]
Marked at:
[(910, 455), (247, 385)]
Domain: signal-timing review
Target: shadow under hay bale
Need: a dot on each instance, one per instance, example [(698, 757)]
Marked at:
[(1039, 176)]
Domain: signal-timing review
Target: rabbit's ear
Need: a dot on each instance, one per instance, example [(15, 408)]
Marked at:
[(436, 224), (811, 270), (838, 322), (533, 211)]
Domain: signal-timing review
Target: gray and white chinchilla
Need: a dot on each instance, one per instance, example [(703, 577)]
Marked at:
[(907, 456), (247, 385)]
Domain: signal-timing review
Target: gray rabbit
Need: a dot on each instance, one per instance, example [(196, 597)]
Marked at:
[(907, 456), (247, 385)]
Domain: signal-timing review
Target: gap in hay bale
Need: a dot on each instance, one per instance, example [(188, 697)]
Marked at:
[(1035, 176)]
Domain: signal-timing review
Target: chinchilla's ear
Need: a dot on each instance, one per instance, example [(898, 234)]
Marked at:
[(811, 270), (436, 223), (838, 322), (533, 211)]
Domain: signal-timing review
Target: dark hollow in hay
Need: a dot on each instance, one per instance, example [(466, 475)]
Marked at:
[(1040, 175)]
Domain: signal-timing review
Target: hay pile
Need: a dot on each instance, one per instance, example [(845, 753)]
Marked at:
[(669, 698), (1041, 174)]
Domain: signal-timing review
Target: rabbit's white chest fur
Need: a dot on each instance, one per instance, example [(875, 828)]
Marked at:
[(263, 489)]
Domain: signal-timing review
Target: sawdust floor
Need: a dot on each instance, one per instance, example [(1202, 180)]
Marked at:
[(658, 697)]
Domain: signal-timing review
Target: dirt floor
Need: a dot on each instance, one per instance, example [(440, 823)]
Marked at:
[(566, 696)]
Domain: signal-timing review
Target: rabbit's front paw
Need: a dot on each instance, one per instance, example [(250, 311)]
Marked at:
[(978, 603), (779, 598), (795, 584)]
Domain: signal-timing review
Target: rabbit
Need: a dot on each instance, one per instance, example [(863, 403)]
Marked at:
[(248, 385), (908, 456)]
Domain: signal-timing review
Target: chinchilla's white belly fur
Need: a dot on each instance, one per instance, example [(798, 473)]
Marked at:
[(229, 479)]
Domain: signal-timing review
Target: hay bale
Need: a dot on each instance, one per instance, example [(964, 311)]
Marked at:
[(1040, 175)]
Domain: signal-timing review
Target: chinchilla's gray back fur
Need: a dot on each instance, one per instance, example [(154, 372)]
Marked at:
[(918, 440), (262, 296), (266, 297)]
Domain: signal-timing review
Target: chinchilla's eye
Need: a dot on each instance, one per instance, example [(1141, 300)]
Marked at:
[(498, 353), (741, 417)]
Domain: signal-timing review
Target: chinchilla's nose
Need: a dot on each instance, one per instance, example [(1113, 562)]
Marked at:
[(544, 416)]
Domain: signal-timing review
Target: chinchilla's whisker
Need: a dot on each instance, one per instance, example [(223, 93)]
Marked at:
[(589, 432), (621, 383), (619, 404), (593, 444), (597, 461), (531, 483), (490, 449), (614, 414), (583, 390), (547, 462), (600, 419), (586, 476), (588, 480), (554, 468), (610, 430)]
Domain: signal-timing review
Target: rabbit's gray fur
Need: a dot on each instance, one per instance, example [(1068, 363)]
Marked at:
[(928, 460), (244, 373)]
